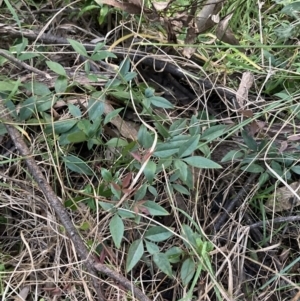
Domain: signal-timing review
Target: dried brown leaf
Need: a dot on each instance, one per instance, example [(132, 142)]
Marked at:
[(159, 6), (247, 113), (295, 137), (23, 294), (253, 128), (127, 7), (204, 17), (283, 146), (138, 3), (188, 51), (283, 199), (125, 129), (244, 87), (225, 34)]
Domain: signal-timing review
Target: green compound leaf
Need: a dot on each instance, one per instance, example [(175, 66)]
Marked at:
[(201, 162), (61, 84), (95, 109), (57, 68), (250, 142), (181, 189), (214, 132), (160, 102), (182, 168), (158, 233), (149, 171), (162, 262), (187, 272), (112, 115), (254, 168), (151, 247), (135, 253), (232, 155), (116, 228), (296, 169), (74, 110), (78, 47), (188, 147), (155, 209), (189, 235), (64, 126), (77, 165), (124, 67)]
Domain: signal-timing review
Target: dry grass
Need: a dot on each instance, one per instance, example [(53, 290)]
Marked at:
[(38, 259)]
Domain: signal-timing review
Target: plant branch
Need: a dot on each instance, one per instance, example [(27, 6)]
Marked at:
[(52, 198), (56, 204), (121, 279), (22, 64), (137, 57)]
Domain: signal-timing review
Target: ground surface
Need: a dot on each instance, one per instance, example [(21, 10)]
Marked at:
[(148, 152)]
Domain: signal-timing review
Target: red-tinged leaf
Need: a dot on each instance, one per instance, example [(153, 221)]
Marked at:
[(116, 186), (126, 180), (137, 2), (125, 190), (141, 208), (154, 209), (50, 289), (102, 256), (147, 156), (144, 211), (261, 124), (136, 156)]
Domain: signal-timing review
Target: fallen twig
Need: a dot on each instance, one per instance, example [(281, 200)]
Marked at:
[(137, 57), (121, 279), (52, 198), (22, 64), (56, 204), (277, 220)]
